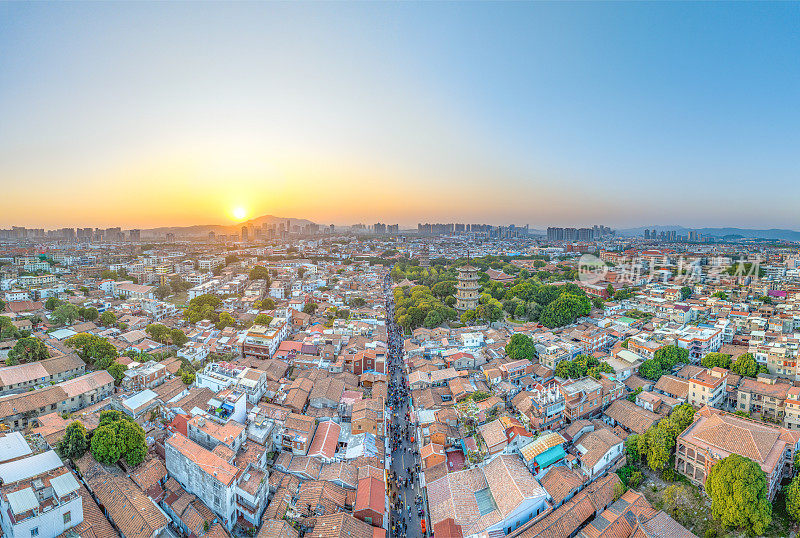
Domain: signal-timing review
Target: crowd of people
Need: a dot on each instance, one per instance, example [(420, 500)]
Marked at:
[(408, 510)]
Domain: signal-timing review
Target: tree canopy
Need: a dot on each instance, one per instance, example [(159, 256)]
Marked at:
[(413, 306), (716, 359), (520, 347), (581, 366), (118, 437), (93, 349), (202, 307), (745, 365), (27, 349), (260, 273), (65, 314), (74, 444), (739, 495)]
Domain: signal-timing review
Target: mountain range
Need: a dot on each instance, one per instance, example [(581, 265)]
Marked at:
[(201, 230), (779, 234)]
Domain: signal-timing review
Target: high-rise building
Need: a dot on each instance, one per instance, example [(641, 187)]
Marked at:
[(244, 233)]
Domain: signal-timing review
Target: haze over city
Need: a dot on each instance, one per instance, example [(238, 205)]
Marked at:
[(155, 114)]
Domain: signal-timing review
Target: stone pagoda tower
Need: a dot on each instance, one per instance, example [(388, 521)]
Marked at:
[(467, 288)]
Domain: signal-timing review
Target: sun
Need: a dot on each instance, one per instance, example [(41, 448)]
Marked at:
[(239, 213)]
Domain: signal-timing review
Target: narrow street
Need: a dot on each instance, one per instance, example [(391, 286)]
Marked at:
[(407, 498)]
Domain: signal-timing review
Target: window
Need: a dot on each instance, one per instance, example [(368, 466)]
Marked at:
[(67, 517), (35, 531)]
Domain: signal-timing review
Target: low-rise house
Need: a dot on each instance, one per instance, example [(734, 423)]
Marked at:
[(765, 396), (708, 387), (545, 451), (145, 376), (716, 434), (370, 504), (21, 377), (542, 406), (297, 434), (204, 473), (598, 450), (498, 497), (39, 495), (631, 417), (133, 513)]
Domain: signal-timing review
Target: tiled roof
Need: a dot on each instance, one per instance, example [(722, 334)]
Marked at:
[(506, 481), (661, 525), (276, 528), (206, 460), (735, 435), (597, 445), (342, 525), (149, 473), (130, 509), (674, 386), (559, 482), (631, 416), (620, 519), (568, 518), (31, 401)]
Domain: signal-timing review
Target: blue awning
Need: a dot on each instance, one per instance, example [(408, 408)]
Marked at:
[(550, 456)]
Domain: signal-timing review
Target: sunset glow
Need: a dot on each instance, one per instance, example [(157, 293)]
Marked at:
[(239, 213)]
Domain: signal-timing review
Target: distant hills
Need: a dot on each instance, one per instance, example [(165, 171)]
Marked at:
[(201, 230), (778, 234)]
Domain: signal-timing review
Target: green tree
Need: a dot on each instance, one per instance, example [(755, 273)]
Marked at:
[(682, 417), (443, 289), (51, 303), (669, 356), (268, 304), (187, 377), (686, 292), (357, 302), (651, 369), (433, 319), (610, 291), (520, 347), (117, 371), (792, 495), (105, 448), (721, 295), (468, 317), (716, 359), (739, 495), (178, 337), (74, 444), (65, 314), (263, 319), (310, 308), (119, 437), (27, 349), (745, 365), (259, 273), (91, 314), (7, 329), (632, 448), (108, 318), (93, 349), (163, 291), (158, 332), (133, 446), (225, 320), (660, 443)]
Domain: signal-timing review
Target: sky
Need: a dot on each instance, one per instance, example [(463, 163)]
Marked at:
[(148, 114)]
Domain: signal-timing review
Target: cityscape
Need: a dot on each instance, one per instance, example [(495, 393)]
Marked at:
[(399, 270)]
